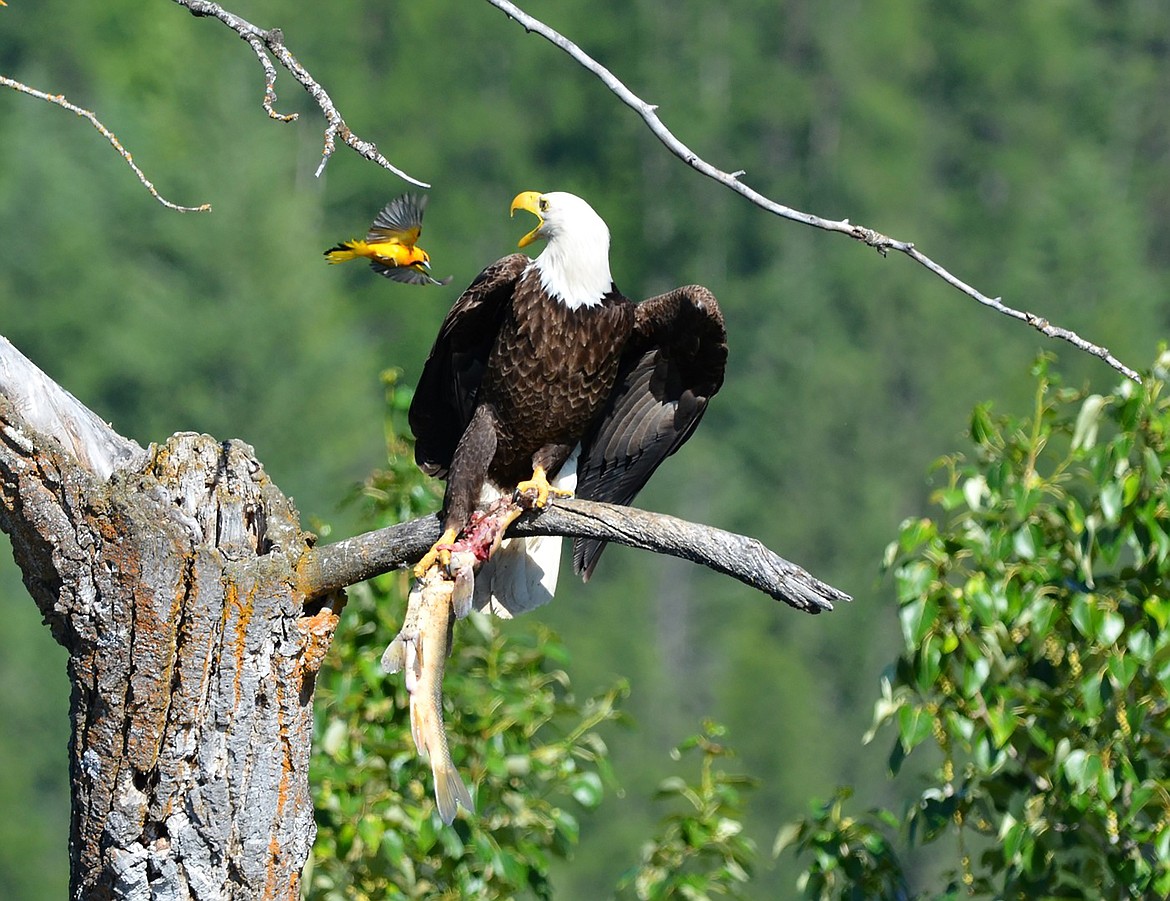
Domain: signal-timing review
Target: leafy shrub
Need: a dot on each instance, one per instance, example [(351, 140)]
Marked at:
[(1037, 661)]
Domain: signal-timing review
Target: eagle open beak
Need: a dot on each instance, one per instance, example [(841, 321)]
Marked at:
[(528, 200)]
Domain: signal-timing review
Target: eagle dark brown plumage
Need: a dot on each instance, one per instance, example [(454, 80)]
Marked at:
[(539, 357)]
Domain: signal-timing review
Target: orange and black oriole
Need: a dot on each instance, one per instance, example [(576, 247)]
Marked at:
[(390, 244)]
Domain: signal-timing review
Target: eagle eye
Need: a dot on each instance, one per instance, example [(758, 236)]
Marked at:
[(543, 205)]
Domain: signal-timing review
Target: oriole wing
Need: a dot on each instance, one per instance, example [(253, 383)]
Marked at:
[(445, 397), (408, 274), (400, 220), (672, 365)]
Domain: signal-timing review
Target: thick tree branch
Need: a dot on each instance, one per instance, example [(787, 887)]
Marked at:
[(263, 42), (878, 241), (329, 568), (60, 100)]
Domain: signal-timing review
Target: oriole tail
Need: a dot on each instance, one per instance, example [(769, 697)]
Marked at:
[(345, 251)]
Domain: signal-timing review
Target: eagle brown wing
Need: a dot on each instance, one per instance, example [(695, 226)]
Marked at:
[(445, 397), (672, 365)]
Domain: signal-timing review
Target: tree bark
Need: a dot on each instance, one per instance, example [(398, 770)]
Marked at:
[(169, 576)]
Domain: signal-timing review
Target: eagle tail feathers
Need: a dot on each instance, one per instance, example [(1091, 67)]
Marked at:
[(586, 553)]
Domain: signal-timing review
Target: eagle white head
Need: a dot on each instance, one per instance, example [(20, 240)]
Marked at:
[(574, 265)]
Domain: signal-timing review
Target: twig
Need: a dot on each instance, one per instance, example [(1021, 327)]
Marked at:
[(882, 243), (335, 566), (262, 43), (60, 100)]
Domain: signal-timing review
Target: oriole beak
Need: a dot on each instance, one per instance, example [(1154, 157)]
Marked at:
[(529, 200)]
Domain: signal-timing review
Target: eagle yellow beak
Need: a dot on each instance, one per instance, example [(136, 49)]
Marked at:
[(529, 200)]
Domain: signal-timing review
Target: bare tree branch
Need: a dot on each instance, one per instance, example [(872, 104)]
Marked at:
[(60, 100), (877, 240), (326, 569), (271, 41)]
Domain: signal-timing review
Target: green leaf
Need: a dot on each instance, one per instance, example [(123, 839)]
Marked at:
[(929, 663), (1111, 625), (371, 829), (1085, 431), (1042, 611), (975, 675), (1082, 769), (983, 430), (789, 833), (974, 491), (1085, 615), (1090, 690), (1002, 723), (334, 739), (1110, 496), (917, 620), (987, 599), (1024, 543), (912, 581), (566, 825), (587, 789), (1141, 645), (1012, 835), (914, 726), (1122, 668)]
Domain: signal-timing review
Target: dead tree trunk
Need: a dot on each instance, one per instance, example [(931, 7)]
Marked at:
[(170, 577)]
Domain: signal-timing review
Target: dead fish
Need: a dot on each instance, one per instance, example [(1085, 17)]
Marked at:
[(420, 650)]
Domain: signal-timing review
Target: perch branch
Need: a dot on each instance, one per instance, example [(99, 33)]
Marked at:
[(60, 100), (271, 41), (334, 566), (874, 239)]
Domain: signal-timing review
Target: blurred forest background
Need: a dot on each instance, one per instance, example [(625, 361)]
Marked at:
[(1024, 146)]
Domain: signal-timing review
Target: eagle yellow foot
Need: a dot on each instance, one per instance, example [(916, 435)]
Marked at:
[(440, 552), (539, 483)]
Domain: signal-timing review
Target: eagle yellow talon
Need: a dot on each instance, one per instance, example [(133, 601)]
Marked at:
[(440, 553), (540, 484)]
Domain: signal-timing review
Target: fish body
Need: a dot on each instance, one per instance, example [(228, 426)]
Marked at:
[(421, 650)]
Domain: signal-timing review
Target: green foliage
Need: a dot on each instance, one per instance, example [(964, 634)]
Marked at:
[(852, 858), (699, 851), (527, 743), (1037, 633)]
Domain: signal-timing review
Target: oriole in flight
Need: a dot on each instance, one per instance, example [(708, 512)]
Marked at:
[(390, 244)]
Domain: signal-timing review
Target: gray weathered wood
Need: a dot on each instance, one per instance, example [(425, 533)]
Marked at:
[(739, 556), (169, 576)]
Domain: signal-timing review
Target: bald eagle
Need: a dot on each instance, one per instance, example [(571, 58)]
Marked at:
[(543, 370)]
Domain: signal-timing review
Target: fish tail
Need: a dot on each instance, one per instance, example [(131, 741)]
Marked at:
[(345, 251), (450, 790)]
